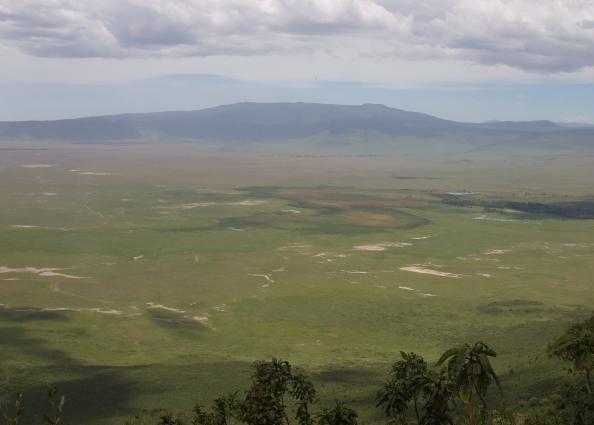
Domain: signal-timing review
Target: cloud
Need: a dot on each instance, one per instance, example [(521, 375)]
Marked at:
[(577, 120), (544, 36)]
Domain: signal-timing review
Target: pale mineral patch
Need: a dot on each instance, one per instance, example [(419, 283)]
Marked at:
[(37, 165), (195, 205), (381, 246), (55, 274), (498, 252), (461, 193), (265, 276), (470, 258), (163, 307), (105, 311), (423, 270), (296, 246), (484, 217), (248, 203), (43, 272), (416, 291), (85, 310), (93, 173)]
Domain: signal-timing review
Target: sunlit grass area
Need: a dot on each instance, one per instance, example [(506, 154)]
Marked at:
[(156, 278)]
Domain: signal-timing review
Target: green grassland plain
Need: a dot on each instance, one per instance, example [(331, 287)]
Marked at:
[(144, 276)]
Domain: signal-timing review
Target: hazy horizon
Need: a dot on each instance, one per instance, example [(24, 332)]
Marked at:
[(182, 106), (462, 60)]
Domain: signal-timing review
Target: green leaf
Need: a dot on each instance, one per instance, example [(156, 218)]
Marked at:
[(449, 353)]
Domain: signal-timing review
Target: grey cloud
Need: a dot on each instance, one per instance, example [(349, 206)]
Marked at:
[(543, 36), (136, 26)]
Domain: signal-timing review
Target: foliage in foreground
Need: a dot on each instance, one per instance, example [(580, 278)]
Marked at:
[(453, 392), (12, 413)]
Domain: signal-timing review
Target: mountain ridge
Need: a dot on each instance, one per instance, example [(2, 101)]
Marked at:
[(262, 121)]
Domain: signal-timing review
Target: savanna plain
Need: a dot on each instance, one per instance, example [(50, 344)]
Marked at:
[(138, 277)]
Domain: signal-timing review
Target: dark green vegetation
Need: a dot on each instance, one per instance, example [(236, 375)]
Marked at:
[(581, 209), (278, 394), (147, 276)]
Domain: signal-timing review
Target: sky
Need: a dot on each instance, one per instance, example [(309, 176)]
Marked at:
[(469, 60)]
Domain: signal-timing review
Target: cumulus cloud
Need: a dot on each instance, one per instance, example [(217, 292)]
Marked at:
[(535, 35)]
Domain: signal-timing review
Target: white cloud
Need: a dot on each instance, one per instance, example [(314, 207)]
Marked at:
[(578, 120), (544, 36)]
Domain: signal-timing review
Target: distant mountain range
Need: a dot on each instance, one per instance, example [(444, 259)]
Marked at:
[(273, 121)]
